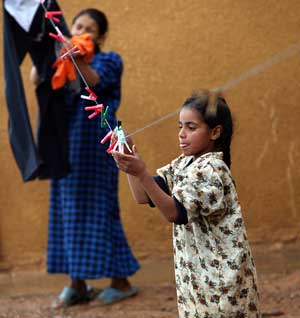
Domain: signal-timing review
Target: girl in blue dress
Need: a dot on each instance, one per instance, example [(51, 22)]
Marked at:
[(86, 237)]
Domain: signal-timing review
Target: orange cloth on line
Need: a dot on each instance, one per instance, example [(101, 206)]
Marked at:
[(65, 68)]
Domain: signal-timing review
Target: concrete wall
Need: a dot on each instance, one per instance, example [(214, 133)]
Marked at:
[(171, 47)]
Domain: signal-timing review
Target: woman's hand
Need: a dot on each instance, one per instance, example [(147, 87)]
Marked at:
[(130, 163)]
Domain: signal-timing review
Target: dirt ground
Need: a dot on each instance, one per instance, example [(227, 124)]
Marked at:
[(28, 294)]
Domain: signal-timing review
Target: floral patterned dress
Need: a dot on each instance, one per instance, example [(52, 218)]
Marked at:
[(214, 269)]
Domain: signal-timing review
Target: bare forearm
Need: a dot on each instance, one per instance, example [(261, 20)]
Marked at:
[(140, 178), (137, 189), (162, 201), (88, 73)]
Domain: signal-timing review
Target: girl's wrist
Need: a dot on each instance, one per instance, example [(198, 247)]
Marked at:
[(143, 176)]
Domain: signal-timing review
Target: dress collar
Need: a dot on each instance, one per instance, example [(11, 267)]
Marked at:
[(212, 154)]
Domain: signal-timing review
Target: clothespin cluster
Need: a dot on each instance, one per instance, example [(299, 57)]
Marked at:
[(97, 108), (51, 15), (120, 140)]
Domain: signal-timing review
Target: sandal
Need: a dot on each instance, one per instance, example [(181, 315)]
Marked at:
[(111, 295), (70, 296), (92, 292)]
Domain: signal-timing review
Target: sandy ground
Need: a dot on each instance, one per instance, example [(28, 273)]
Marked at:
[(29, 294)]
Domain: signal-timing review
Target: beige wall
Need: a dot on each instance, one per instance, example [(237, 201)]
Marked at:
[(171, 47)]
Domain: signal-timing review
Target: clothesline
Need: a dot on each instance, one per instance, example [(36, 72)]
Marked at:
[(275, 59)]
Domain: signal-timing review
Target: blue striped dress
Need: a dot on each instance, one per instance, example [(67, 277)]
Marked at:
[(86, 238)]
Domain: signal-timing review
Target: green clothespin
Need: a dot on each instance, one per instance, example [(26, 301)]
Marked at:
[(103, 118)]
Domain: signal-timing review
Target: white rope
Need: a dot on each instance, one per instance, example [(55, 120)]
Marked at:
[(275, 59), (155, 122)]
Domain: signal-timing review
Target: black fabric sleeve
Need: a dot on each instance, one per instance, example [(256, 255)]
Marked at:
[(182, 213), (161, 183)]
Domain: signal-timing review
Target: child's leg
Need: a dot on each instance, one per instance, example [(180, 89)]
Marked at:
[(79, 285), (120, 283), (119, 289), (76, 293)]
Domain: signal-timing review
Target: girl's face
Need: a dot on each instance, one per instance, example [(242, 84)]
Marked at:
[(85, 24), (195, 136)]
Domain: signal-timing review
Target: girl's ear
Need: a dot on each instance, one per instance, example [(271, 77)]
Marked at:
[(216, 132)]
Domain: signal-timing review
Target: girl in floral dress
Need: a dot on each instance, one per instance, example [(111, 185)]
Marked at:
[(214, 269)]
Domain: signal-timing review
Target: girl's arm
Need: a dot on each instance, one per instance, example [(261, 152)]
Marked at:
[(90, 75), (137, 189), (135, 167), (162, 200)]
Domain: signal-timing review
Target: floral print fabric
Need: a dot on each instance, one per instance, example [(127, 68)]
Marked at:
[(214, 268)]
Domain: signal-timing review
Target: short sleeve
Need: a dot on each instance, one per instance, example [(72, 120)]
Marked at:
[(201, 191), (161, 183), (182, 213), (109, 67), (167, 174)]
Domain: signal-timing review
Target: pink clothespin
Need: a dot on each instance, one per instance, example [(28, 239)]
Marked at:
[(51, 15), (112, 146), (97, 110), (107, 136), (92, 95), (59, 36), (72, 51)]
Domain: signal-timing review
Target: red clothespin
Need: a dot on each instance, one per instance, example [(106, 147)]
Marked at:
[(51, 15), (72, 51), (92, 95), (112, 146), (59, 36), (107, 136), (97, 110)]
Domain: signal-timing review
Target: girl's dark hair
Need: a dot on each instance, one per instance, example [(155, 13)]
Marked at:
[(99, 17), (214, 111)]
